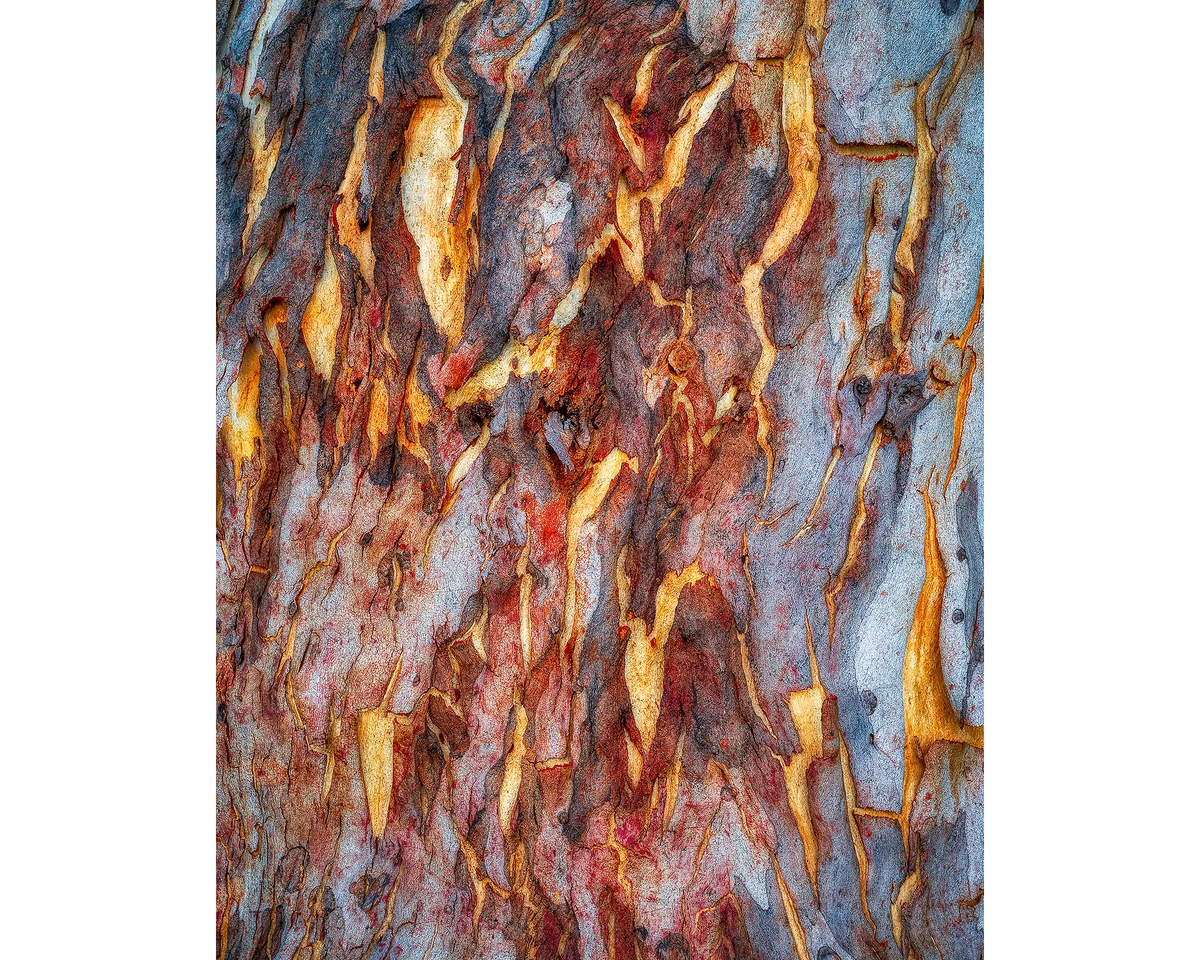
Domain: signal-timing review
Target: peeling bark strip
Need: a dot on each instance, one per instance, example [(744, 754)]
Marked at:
[(599, 479)]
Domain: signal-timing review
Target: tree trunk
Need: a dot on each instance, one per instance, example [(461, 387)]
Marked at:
[(599, 479)]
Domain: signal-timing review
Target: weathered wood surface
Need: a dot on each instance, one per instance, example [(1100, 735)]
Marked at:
[(599, 479)]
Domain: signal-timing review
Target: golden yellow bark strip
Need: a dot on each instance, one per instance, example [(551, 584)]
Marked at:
[(804, 159)]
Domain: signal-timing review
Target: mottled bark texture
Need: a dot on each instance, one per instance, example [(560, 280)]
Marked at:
[(599, 497)]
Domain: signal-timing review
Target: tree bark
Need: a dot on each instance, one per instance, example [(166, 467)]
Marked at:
[(599, 479)]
